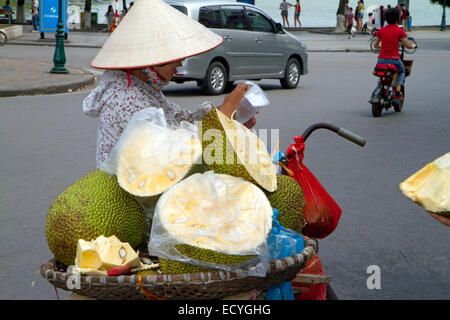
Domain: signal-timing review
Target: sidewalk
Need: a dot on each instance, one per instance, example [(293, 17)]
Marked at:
[(37, 79)]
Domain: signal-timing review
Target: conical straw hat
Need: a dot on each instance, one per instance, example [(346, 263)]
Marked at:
[(153, 33)]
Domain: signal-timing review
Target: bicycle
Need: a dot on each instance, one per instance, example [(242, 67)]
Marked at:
[(3, 37)]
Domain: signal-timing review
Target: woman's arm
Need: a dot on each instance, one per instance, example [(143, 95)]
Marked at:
[(377, 42)]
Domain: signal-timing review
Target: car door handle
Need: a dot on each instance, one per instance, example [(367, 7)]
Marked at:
[(228, 38), (259, 40)]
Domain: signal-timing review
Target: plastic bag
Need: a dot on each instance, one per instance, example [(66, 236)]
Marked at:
[(150, 141), (282, 243), (321, 212), (216, 212), (254, 99)]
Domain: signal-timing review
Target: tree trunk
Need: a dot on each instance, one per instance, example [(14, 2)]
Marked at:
[(124, 5), (20, 11), (340, 16), (87, 14)]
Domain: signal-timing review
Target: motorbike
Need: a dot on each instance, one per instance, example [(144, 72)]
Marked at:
[(383, 95), (374, 49)]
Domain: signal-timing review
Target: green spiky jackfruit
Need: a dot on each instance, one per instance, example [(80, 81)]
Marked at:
[(92, 206), (289, 200), (231, 148), (200, 254)]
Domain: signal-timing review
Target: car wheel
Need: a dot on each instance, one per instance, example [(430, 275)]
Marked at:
[(291, 74), (216, 79)]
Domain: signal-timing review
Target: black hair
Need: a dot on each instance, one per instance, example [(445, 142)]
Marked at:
[(370, 14), (392, 15)]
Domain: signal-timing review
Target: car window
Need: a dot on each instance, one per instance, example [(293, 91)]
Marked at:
[(181, 9), (258, 22), (235, 17), (211, 17)]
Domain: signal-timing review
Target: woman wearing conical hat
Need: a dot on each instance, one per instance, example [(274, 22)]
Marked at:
[(140, 57)]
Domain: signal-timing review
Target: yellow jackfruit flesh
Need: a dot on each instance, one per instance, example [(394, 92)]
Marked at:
[(231, 148), (212, 218), (87, 256), (430, 186), (151, 160)]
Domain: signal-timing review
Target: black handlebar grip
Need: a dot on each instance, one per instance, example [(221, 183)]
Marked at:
[(352, 137)]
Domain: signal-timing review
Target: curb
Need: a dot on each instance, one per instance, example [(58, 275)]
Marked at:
[(51, 44), (51, 89)]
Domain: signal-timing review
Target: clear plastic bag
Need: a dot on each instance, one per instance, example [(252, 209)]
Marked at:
[(152, 145), (217, 212)]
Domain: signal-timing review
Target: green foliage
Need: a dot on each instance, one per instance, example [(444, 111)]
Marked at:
[(441, 2)]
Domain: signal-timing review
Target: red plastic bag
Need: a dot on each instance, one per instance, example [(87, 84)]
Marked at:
[(321, 212), (309, 291)]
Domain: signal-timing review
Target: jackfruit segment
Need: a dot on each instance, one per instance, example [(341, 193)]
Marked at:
[(217, 212), (87, 256), (89, 271), (289, 200), (114, 253), (231, 148), (149, 161), (430, 186)]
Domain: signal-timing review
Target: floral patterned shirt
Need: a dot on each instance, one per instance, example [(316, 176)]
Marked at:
[(114, 103)]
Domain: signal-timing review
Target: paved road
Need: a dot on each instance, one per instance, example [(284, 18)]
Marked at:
[(46, 143)]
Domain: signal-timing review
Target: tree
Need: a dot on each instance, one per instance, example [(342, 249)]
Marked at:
[(441, 2), (87, 13), (20, 11), (340, 16)]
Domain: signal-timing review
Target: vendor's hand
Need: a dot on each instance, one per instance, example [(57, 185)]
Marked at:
[(444, 220), (250, 123), (231, 101)]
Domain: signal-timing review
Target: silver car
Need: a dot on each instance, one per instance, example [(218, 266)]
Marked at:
[(255, 47)]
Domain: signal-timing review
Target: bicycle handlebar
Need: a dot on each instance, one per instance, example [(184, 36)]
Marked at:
[(347, 134)]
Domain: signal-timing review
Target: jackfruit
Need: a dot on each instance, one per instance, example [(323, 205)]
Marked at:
[(94, 205), (430, 186), (236, 151), (151, 160), (114, 253), (87, 256), (289, 200), (214, 218)]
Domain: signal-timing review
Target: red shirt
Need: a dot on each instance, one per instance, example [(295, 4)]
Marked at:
[(390, 36)]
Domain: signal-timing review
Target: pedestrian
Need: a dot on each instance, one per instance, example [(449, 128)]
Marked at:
[(284, 12), (297, 11), (35, 15), (390, 36), (370, 24), (360, 15), (404, 14), (350, 30), (138, 65), (8, 7), (109, 16)]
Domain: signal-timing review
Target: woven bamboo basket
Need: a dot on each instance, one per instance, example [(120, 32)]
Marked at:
[(193, 286)]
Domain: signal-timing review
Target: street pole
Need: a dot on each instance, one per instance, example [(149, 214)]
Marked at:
[(59, 58), (443, 17)]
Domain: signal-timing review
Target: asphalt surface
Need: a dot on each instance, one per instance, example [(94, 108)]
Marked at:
[(46, 143)]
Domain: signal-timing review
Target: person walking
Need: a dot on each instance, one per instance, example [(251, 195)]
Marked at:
[(350, 16), (297, 11), (284, 12), (35, 15), (404, 14)]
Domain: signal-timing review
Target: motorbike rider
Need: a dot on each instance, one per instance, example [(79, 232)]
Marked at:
[(390, 36)]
